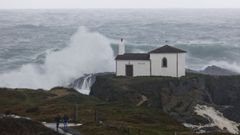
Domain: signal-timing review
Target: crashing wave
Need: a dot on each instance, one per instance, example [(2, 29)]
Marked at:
[(88, 52)]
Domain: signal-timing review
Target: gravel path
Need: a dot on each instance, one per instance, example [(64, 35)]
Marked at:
[(68, 131)]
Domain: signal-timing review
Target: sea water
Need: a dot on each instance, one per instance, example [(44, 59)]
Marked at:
[(47, 48)]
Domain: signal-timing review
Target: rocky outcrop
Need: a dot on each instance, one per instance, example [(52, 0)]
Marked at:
[(214, 71), (177, 97)]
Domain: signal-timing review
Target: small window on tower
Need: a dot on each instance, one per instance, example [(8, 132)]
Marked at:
[(164, 62)]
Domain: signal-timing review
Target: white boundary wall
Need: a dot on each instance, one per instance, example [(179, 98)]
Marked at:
[(153, 67), (140, 67), (175, 64)]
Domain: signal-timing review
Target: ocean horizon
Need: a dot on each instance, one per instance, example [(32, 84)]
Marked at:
[(31, 41)]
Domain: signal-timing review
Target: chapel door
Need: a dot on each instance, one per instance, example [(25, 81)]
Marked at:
[(129, 70)]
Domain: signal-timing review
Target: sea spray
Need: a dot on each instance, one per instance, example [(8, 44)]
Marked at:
[(232, 66), (87, 52), (217, 118), (87, 83), (84, 84)]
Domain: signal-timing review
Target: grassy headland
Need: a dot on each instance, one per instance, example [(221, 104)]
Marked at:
[(112, 109)]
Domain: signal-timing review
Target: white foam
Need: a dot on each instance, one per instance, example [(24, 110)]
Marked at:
[(86, 85), (227, 65), (88, 52), (217, 118), (198, 128)]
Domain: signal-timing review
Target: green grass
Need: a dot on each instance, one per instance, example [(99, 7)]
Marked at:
[(11, 126), (42, 105), (116, 118), (123, 119)]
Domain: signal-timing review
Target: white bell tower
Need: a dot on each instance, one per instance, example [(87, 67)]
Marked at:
[(121, 47)]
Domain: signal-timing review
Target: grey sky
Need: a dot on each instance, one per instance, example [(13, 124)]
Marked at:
[(26, 4)]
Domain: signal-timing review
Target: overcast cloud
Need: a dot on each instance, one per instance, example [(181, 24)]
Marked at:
[(36, 4)]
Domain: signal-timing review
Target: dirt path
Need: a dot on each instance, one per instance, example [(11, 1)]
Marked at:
[(143, 100), (67, 131), (59, 93)]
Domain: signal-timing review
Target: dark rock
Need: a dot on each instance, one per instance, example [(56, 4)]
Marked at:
[(177, 97), (214, 71)]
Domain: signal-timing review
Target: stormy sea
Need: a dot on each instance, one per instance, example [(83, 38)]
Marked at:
[(48, 48)]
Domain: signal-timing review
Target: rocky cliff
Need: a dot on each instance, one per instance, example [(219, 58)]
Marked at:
[(177, 97)]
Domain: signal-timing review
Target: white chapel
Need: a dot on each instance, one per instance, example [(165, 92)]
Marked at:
[(163, 61)]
